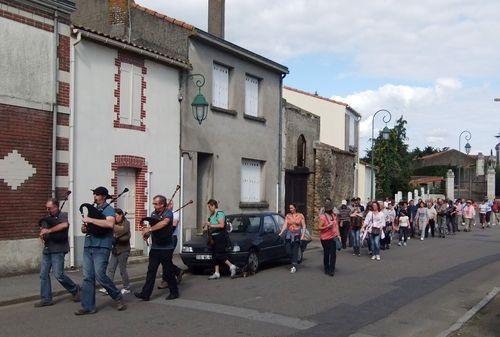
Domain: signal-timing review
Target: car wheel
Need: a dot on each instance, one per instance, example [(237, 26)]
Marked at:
[(253, 261)]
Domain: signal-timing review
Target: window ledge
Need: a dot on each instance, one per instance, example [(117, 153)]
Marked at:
[(255, 118), (224, 111), (261, 204), (119, 125)]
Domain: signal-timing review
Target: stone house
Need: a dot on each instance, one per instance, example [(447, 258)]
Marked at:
[(34, 113)]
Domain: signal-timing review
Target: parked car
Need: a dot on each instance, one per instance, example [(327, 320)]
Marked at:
[(254, 239)]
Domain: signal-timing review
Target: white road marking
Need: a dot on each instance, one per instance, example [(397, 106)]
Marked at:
[(251, 314), (469, 314)]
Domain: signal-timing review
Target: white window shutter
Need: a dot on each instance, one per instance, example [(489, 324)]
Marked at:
[(136, 96), (220, 86), (251, 96), (351, 131), (250, 180), (125, 93)]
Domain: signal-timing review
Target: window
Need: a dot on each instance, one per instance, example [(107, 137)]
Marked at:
[(301, 151), (352, 133), (269, 225), (279, 221), (251, 96), (130, 94), (251, 174), (220, 86)]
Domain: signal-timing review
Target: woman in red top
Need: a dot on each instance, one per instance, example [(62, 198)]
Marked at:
[(295, 226), (328, 230)]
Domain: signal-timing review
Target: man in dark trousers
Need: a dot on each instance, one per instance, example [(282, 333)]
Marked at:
[(178, 272), (161, 251), (55, 240)]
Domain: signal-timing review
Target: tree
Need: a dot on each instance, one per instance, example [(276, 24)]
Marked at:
[(392, 160)]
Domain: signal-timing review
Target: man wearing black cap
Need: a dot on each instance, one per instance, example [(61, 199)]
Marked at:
[(96, 255)]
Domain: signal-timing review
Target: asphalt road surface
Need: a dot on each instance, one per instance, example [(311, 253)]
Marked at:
[(418, 290)]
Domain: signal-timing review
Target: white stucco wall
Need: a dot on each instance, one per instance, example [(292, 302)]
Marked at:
[(332, 131), (97, 141), (26, 66), (364, 179)]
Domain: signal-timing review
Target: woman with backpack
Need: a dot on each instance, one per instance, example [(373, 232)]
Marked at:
[(295, 226), (328, 233), (218, 239)]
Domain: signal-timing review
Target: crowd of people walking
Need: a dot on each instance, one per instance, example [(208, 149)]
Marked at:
[(380, 223)]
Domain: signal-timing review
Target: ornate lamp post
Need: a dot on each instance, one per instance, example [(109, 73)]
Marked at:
[(468, 137), (385, 135), (199, 105)]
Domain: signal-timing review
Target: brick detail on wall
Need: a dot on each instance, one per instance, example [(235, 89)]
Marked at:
[(29, 131), (63, 51), (62, 143), (62, 119), (25, 20), (139, 164), (139, 62), (63, 94), (62, 169)]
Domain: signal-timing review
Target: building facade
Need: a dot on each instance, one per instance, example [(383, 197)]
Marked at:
[(34, 110)]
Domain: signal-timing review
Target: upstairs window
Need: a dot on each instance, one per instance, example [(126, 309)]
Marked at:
[(130, 94), (301, 151), (251, 96), (220, 86), (251, 175)]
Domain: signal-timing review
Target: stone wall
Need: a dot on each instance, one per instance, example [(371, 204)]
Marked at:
[(334, 175)]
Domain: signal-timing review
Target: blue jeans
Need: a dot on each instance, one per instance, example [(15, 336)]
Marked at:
[(95, 262), (375, 241), (54, 261), (355, 239)]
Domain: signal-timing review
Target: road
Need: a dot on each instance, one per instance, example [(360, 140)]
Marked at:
[(418, 290)]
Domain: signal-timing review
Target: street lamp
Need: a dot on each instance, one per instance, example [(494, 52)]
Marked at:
[(385, 135), (199, 105), (468, 137)]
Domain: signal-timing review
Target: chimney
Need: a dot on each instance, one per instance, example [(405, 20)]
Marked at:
[(216, 11), (118, 17)]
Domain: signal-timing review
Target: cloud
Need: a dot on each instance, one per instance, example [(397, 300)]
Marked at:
[(435, 114), (417, 39)]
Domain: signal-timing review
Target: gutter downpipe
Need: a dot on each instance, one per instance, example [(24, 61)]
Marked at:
[(55, 78), (180, 98), (71, 152), (280, 145)]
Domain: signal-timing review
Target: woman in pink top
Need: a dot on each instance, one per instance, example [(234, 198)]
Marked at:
[(328, 230), (374, 223)]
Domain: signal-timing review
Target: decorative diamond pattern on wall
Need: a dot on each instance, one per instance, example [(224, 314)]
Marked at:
[(15, 170)]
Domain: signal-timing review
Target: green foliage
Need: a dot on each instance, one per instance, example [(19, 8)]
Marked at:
[(434, 171), (418, 153), (392, 160)]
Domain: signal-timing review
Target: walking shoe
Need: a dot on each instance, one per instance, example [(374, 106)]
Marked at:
[(120, 306), (76, 296), (332, 273), (163, 285), (404, 244), (125, 291), (293, 270), (399, 244), (421, 239), (374, 257), (172, 296), (214, 276), (179, 276), (233, 270), (103, 291), (81, 312), (378, 257), (353, 254), (140, 296), (359, 254), (43, 304)]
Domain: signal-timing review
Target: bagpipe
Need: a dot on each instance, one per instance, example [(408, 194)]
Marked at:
[(163, 235), (91, 211), (51, 221)]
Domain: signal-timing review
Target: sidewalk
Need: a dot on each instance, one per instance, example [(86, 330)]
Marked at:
[(25, 288)]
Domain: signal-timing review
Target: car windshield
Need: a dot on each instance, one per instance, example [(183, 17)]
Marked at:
[(245, 224)]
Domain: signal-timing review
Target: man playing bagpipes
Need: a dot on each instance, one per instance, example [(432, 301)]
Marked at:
[(54, 233), (98, 229), (160, 228)]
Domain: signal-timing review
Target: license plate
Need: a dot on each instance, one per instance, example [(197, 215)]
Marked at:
[(203, 257)]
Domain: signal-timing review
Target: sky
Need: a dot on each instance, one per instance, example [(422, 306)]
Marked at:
[(436, 63)]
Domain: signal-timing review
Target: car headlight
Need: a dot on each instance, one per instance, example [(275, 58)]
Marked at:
[(236, 248), (187, 249)]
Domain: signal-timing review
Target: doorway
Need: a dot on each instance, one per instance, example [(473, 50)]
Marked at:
[(296, 189), (126, 178), (204, 188)]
